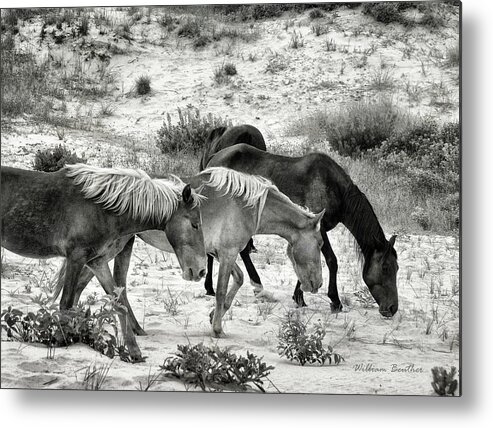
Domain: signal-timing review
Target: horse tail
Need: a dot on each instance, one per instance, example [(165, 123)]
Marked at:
[(60, 281)]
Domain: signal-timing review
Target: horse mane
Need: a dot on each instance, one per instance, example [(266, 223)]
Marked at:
[(361, 220), (252, 189), (123, 190)]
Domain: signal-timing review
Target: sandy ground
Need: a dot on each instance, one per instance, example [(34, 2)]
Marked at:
[(382, 356)]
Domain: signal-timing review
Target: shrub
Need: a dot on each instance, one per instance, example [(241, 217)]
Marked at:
[(143, 85), (216, 369), (453, 56), (319, 29), (444, 383), (201, 41), (297, 345), (229, 69), (54, 328), (316, 14), (352, 129), (190, 29), (427, 153), (386, 12), (51, 160), (189, 134)]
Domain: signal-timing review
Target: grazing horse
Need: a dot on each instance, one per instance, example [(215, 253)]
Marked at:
[(218, 139), (237, 206), (84, 213), (318, 182)]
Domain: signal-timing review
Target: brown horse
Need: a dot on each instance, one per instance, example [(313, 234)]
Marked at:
[(84, 213), (237, 206), (318, 182)]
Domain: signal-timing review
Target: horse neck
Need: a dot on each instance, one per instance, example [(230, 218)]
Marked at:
[(281, 217), (361, 221)]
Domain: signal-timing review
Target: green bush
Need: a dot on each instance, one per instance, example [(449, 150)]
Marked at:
[(51, 160), (216, 369), (316, 14), (297, 345), (189, 134)]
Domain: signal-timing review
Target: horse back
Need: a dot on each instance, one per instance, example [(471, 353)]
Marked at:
[(314, 180), (222, 137)]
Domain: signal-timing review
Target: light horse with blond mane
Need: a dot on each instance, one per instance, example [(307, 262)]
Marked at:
[(88, 214), (238, 206)]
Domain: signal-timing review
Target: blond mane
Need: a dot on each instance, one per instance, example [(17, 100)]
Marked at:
[(122, 190)]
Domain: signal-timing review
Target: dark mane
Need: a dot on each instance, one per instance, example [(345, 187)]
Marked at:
[(362, 222)]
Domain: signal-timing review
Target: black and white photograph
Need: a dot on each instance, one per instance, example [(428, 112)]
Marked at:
[(245, 198)]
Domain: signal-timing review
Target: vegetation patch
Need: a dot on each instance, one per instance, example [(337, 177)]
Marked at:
[(216, 369), (55, 328), (190, 133), (297, 344), (51, 160)]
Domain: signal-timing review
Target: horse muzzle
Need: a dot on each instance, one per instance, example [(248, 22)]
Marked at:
[(194, 275)]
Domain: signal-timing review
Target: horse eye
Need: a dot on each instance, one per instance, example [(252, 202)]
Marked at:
[(195, 225)]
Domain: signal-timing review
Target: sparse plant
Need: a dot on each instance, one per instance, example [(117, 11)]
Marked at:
[(201, 41), (51, 160), (296, 41), (229, 69), (319, 29), (172, 303), (443, 382), (452, 56), (143, 85), (382, 79), (296, 344), (275, 64), (330, 45), (95, 376), (213, 369)]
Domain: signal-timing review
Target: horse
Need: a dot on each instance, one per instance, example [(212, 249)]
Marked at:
[(222, 137), (237, 206), (218, 139), (318, 182), (83, 213)]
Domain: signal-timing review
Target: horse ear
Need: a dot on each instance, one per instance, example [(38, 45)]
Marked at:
[(318, 218), (392, 241), (187, 194)]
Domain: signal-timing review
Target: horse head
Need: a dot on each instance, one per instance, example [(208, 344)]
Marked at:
[(304, 253), (184, 233), (380, 275)]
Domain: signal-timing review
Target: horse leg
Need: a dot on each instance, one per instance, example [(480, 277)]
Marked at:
[(209, 290), (252, 272), (237, 275), (298, 295), (72, 272), (331, 260), (102, 271), (225, 267), (120, 270)]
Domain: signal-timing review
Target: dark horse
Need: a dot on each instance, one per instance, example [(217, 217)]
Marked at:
[(318, 182), (218, 139), (88, 215)]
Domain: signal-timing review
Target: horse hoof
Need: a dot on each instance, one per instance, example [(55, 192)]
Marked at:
[(137, 359), (299, 301), (336, 307), (210, 293)]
